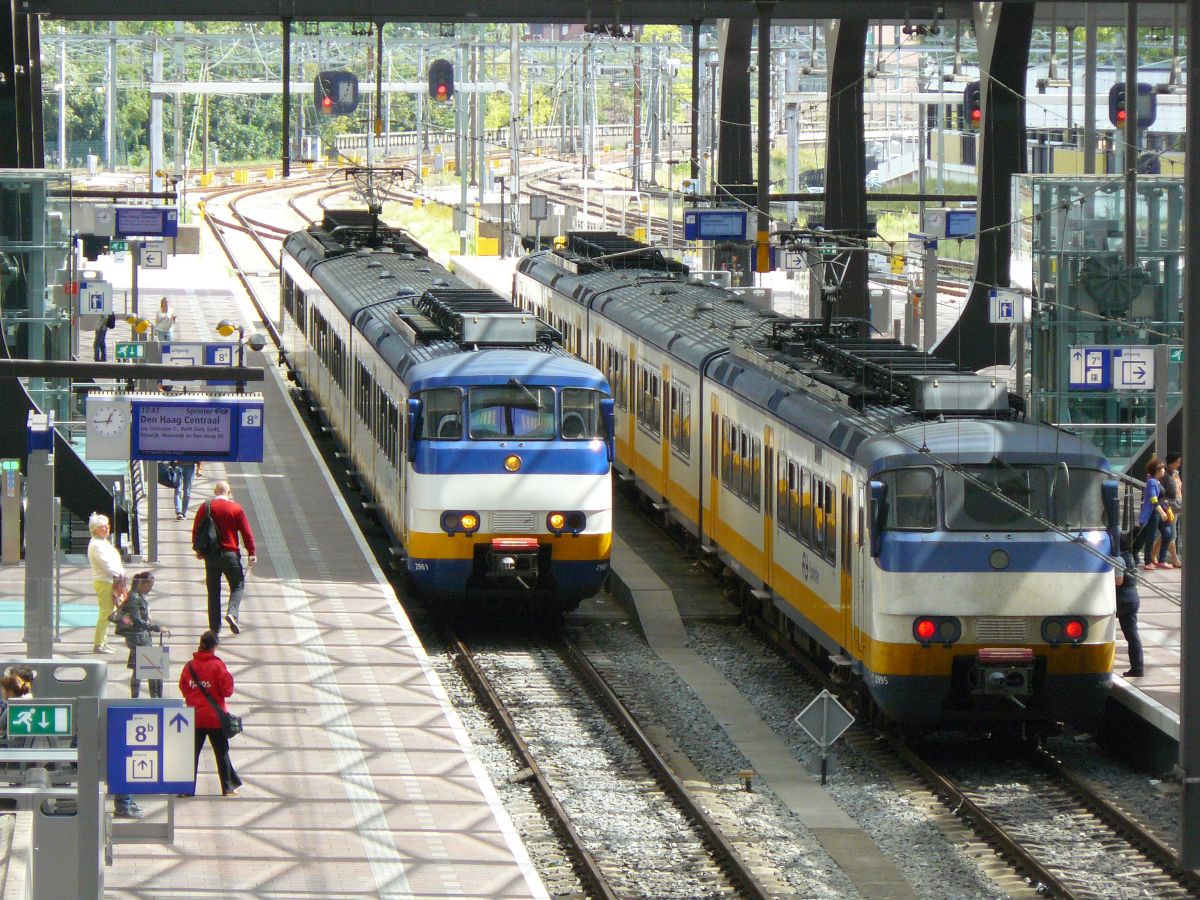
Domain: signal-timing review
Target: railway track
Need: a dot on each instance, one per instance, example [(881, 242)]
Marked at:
[(633, 828)]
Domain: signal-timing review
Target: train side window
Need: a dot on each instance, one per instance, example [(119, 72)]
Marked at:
[(830, 522), (818, 508), (726, 452), (441, 410), (845, 532), (793, 498), (714, 445), (680, 419), (805, 506), (754, 495), (768, 472)]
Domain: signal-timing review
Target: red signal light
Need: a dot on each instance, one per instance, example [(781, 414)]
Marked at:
[(1073, 629), (926, 629), (976, 116), (1121, 116), (327, 103), (441, 91)]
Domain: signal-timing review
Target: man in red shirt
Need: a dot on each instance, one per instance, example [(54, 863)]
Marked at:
[(231, 523)]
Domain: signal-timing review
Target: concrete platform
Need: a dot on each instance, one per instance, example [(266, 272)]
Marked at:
[(1154, 697), (360, 780)]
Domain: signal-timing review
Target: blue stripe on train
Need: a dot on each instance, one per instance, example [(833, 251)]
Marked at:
[(940, 551), (446, 579), (540, 458)]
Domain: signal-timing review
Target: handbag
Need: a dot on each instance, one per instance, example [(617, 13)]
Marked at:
[(231, 725), (122, 619), (168, 475)]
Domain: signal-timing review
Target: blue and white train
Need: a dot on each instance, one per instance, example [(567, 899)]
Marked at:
[(886, 509), (486, 447)]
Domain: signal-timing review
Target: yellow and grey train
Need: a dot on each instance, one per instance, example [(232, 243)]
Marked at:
[(486, 447), (891, 511)]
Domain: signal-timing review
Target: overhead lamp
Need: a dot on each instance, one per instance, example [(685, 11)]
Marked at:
[(138, 324), (225, 328)]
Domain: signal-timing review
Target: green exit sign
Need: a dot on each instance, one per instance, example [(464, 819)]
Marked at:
[(118, 246), (40, 719), (1176, 354), (131, 350)]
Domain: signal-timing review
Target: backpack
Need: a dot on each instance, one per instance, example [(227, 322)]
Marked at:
[(206, 541)]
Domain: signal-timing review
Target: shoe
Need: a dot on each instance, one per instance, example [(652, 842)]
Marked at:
[(233, 624), (179, 517), (184, 796), (233, 792), (1133, 673), (1165, 566), (1149, 566), (103, 648), (129, 812)]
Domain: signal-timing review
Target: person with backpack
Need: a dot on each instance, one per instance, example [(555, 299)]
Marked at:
[(216, 530)]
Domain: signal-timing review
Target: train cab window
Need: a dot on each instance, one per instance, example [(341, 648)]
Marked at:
[(441, 411), (581, 419), (911, 499), (1077, 496), (512, 410), (996, 497)]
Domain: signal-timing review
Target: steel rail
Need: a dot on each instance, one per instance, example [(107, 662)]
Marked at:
[(588, 869), (1148, 843), (726, 854)]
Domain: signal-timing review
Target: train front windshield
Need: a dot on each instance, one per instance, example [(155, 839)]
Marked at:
[(996, 497), (512, 411)]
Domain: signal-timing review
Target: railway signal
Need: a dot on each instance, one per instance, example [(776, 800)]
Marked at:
[(1118, 105), (973, 104), (335, 93), (441, 80)]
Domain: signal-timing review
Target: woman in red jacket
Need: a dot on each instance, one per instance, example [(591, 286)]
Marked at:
[(208, 669)]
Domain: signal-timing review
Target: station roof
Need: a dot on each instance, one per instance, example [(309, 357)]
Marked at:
[(546, 11)]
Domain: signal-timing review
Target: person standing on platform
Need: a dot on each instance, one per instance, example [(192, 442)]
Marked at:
[(231, 523), (1127, 610), (100, 341), (1151, 514), (164, 321), (183, 487), (1172, 488), (108, 572), (207, 672), (139, 630)]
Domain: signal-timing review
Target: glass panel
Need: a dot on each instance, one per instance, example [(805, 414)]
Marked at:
[(512, 411), (442, 414), (972, 506), (581, 420), (1081, 505), (912, 502)]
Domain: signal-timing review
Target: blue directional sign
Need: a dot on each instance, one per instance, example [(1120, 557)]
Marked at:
[(714, 225), (1112, 369), (1091, 369), (151, 749), (147, 221), (225, 428)]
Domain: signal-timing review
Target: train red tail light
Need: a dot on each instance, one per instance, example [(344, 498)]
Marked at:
[(1064, 630), (929, 630)]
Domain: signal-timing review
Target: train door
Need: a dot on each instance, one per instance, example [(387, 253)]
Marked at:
[(769, 492), (845, 560), (716, 450), (859, 598), (665, 430)]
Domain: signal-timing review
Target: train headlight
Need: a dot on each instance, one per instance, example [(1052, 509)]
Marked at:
[(999, 559), (560, 523), (1064, 630), (512, 463), (929, 630), (455, 521)]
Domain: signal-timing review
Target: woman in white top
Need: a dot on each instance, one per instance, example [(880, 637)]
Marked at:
[(106, 568), (164, 322)]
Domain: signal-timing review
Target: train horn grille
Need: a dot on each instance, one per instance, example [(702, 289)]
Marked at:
[(512, 522), (1000, 629)]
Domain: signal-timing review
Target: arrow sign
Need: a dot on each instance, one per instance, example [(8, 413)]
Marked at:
[(179, 723)]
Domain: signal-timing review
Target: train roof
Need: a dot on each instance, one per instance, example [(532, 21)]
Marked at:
[(410, 308), (866, 398)]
